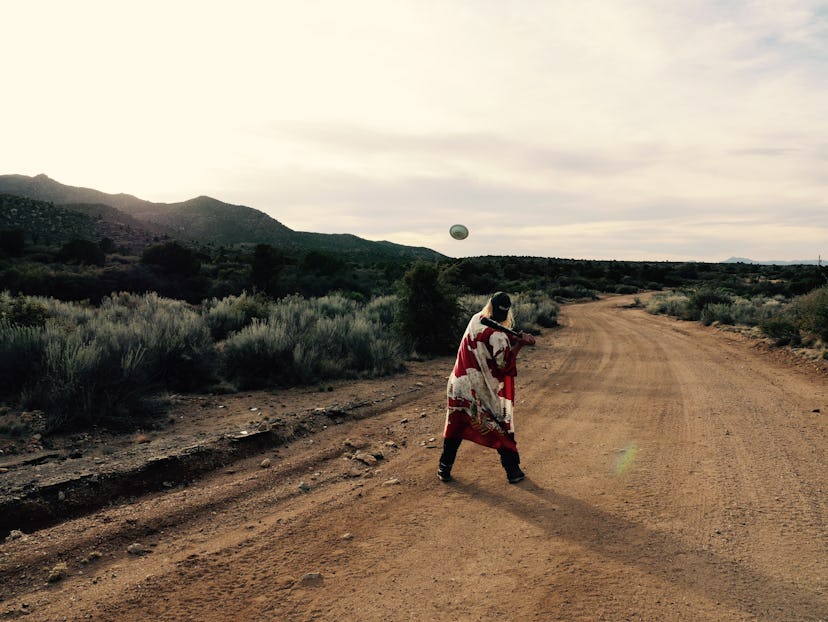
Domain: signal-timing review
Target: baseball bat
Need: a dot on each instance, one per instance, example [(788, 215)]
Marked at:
[(487, 321)]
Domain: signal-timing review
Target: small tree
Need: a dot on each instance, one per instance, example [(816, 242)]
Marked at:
[(107, 245), (267, 266), (428, 313), (82, 252), (12, 242), (173, 258)]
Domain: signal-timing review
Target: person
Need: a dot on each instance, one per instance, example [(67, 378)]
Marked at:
[(480, 392)]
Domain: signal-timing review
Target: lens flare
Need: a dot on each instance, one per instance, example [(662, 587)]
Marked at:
[(626, 457)]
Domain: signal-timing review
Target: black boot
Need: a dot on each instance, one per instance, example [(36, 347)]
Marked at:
[(511, 464), (444, 472), (450, 446), (515, 476)]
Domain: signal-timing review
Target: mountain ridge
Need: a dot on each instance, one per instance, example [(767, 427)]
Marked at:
[(795, 262), (206, 219)]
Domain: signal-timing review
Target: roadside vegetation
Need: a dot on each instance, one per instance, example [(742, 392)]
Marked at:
[(86, 365), (796, 321), (92, 332)]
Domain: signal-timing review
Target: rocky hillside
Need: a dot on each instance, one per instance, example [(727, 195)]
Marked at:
[(45, 223), (205, 220)]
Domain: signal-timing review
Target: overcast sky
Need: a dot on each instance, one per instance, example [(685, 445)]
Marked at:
[(641, 130)]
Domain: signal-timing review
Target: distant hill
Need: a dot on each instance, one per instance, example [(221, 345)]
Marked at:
[(46, 223), (203, 219), (798, 262)]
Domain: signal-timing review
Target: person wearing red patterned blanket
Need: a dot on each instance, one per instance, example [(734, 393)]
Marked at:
[(481, 389)]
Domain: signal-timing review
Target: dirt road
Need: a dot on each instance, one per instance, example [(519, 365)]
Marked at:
[(674, 473)]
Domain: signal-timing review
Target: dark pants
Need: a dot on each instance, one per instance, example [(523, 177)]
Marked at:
[(508, 458)]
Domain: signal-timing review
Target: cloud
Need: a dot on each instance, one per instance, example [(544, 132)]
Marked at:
[(593, 128)]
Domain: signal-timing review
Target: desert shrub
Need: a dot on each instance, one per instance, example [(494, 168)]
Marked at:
[(336, 305), (781, 329), (179, 348), (233, 313), (752, 312), (729, 310), (545, 311), (107, 245), (533, 311), (522, 312), (381, 310), (386, 357), (58, 573), (259, 355), (90, 365), (573, 292), (83, 382), (699, 299), (717, 312), (22, 310), (471, 304), (20, 351), (811, 312), (747, 312), (674, 304), (354, 344), (309, 340)]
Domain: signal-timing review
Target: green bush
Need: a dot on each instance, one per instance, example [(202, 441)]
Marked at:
[(233, 313), (701, 298), (12, 242), (82, 252), (179, 349), (751, 312), (428, 312), (84, 382), (20, 351), (781, 330), (22, 310), (811, 311), (674, 304), (381, 310), (267, 266), (307, 341), (533, 311), (172, 258), (89, 365), (721, 312), (259, 355), (573, 292)]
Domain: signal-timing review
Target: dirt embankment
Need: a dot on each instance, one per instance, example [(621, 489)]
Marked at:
[(674, 473)]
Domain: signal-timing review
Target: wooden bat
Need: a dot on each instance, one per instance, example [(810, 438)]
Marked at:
[(487, 321)]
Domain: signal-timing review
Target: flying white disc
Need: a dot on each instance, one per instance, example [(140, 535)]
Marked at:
[(459, 232)]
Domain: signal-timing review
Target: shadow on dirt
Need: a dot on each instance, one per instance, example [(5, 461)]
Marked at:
[(656, 553)]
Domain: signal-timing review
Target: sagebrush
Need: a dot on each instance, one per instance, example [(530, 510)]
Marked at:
[(87, 365)]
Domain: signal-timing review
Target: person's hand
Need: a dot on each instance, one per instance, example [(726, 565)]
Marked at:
[(527, 339)]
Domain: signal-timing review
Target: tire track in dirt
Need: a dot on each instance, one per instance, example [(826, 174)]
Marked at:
[(762, 439)]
